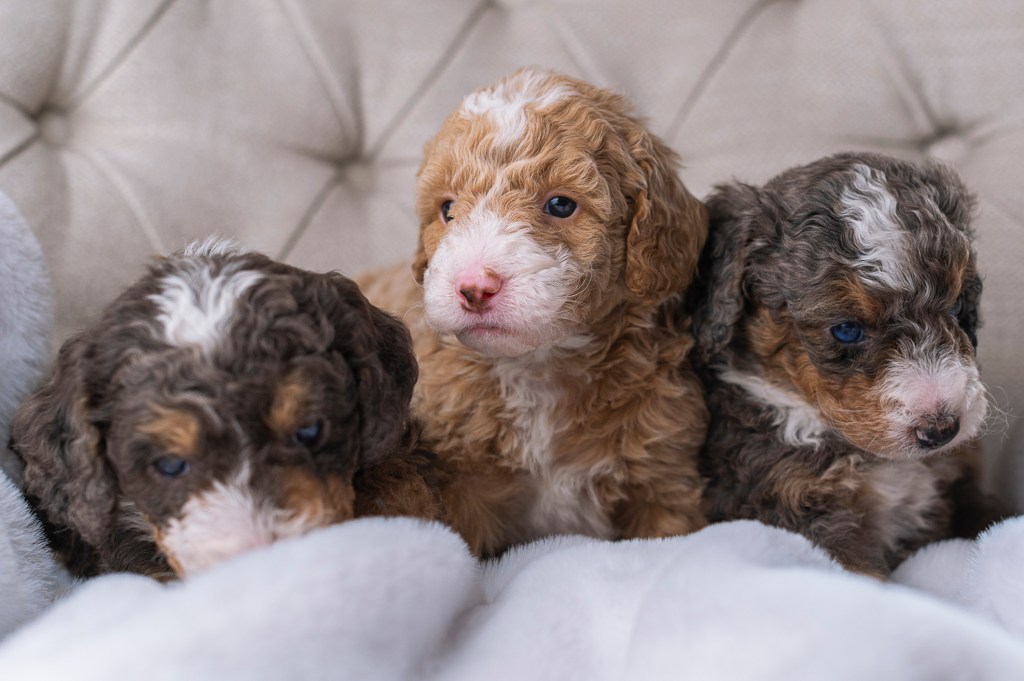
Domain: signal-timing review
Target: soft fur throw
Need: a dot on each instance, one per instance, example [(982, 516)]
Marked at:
[(29, 578), (26, 312), (401, 599)]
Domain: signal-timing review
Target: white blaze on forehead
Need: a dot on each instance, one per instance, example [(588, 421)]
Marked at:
[(196, 306), (925, 383), (869, 209), (505, 104), (225, 521)]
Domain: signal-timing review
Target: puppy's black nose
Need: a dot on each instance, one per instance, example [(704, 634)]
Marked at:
[(936, 432)]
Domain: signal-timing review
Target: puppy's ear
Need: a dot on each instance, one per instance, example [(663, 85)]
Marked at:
[(424, 178), (378, 347), (419, 261), (668, 226), (66, 470), (736, 214)]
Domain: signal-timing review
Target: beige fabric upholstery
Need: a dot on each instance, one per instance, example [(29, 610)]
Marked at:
[(130, 127)]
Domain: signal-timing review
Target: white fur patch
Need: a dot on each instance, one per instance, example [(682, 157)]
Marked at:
[(905, 494), (922, 383), (870, 210), (196, 306), (506, 103), (565, 501), (535, 285), (225, 521), (799, 423)]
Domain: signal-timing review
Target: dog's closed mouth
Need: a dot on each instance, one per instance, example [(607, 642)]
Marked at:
[(487, 329), (484, 331)]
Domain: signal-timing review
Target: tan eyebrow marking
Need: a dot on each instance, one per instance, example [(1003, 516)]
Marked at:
[(288, 410), (177, 430), (318, 501)]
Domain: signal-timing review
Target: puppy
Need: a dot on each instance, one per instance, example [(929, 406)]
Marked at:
[(222, 402), (836, 322), (555, 240)]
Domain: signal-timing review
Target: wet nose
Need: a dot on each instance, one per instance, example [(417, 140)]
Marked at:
[(478, 289), (935, 432)]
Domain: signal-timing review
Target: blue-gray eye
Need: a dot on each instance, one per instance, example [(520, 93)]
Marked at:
[(309, 435), (560, 207), (446, 209), (848, 332), (171, 466)]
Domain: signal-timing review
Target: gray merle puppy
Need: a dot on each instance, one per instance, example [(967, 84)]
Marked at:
[(836, 318), (222, 402)]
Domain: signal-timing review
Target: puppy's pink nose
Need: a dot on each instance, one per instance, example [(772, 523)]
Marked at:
[(478, 289)]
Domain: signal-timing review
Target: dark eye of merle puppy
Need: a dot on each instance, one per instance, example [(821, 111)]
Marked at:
[(446, 208), (848, 332), (560, 207), (966, 320), (171, 466), (957, 308), (309, 435)]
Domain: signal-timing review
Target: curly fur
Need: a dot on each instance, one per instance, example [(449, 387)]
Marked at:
[(567, 405), (220, 358), (824, 437)]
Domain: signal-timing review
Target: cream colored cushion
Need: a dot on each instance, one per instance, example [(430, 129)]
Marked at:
[(130, 127)]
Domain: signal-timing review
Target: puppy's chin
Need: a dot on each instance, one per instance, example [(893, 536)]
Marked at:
[(902, 449), (494, 341)]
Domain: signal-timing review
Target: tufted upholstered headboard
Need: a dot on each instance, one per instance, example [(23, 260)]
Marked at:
[(130, 127)]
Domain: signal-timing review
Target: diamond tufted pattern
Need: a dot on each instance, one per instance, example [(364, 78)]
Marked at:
[(130, 127)]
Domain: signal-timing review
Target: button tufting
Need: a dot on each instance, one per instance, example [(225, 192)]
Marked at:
[(509, 4), (948, 145), (54, 127)]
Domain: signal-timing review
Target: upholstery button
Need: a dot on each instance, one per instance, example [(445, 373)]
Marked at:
[(54, 127), (950, 147)]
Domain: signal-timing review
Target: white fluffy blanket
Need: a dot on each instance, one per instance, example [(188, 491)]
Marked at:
[(400, 599), (26, 317), (29, 578)]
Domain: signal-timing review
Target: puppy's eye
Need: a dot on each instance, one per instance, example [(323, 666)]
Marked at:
[(848, 332), (560, 207), (171, 466), (446, 209), (309, 435)]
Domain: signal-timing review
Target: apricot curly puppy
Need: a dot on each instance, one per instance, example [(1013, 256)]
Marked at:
[(556, 241)]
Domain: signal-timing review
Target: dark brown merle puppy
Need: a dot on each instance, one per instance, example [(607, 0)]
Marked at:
[(222, 402), (836, 325)]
